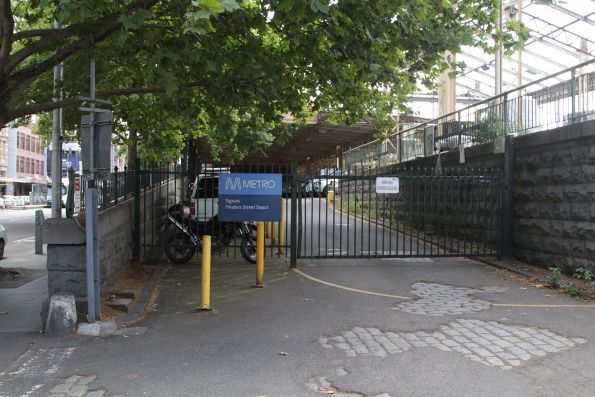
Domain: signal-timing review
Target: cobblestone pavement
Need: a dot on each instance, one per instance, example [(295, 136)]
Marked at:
[(490, 343), (78, 386), (441, 300), (34, 373)]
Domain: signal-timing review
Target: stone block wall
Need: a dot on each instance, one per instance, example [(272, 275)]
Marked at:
[(554, 208), (554, 195), (65, 239)]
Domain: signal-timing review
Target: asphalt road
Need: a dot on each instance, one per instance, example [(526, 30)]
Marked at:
[(356, 327), (20, 248)]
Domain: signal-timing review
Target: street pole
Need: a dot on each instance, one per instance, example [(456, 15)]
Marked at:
[(57, 144), (92, 220)]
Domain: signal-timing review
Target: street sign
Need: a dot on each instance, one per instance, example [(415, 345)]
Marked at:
[(96, 140), (249, 197), (77, 194), (387, 185)]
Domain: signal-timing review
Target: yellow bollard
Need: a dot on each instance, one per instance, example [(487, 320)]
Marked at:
[(282, 228), (205, 292), (274, 226), (259, 255), (330, 195), (268, 229)]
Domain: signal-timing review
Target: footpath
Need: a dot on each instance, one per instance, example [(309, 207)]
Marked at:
[(384, 328)]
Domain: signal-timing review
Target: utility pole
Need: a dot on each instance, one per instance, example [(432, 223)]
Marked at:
[(57, 125), (498, 71), (96, 134)]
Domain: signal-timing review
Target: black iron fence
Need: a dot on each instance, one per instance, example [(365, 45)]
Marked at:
[(563, 98), (195, 205), (454, 212), (120, 184)]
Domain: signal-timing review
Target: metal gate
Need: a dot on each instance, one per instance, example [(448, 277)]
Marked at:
[(455, 212), (178, 191)]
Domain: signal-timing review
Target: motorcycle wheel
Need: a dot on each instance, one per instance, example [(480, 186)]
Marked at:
[(248, 249), (179, 248)]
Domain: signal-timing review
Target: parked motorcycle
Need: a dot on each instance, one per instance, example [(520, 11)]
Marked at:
[(185, 237)]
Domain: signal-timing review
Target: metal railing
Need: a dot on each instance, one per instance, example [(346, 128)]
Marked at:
[(561, 99), (120, 184)]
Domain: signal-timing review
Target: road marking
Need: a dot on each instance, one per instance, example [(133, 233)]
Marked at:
[(359, 291), (25, 240)]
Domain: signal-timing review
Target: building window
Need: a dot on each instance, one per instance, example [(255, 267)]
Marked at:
[(18, 140)]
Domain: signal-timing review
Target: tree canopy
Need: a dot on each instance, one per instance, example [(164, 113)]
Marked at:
[(228, 70)]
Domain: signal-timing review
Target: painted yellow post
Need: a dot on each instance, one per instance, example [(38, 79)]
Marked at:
[(259, 255), (282, 228), (268, 229), (274, 226), (205, 296), (330, 196)]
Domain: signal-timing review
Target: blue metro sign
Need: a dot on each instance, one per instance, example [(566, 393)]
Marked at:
[(250, 197)]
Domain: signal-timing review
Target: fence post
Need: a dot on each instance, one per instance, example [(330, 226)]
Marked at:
[(294, 190), (125, 182), (504, 107), (572, 91), (508, 200), (116, 184), (136, 215), (70, 193)]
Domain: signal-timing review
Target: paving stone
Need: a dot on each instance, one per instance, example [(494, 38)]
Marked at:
[(73, 379), (495, 347), (87, 379), (77, 391), (539, 353), (96, 393), (503, 343), (440, 346), (483, 352), (378, 352), (62, 388)]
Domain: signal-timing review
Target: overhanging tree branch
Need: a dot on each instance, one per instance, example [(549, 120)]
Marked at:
[(6, 32), (48, 106), (107, 25)]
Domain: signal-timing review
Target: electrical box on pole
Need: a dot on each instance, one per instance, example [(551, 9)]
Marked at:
[(96, 140)]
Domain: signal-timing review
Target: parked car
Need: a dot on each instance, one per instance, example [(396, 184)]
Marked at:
[(326, 182), (205, 196), (3, 240)]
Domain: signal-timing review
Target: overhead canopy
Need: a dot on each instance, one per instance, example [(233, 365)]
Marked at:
[(311, 141), (562, 35)]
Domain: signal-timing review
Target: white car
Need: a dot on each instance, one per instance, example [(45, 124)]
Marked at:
[(3, 240), (326, 182)]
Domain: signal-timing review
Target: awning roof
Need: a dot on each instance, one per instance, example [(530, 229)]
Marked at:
[(562, 35), (310, 141)]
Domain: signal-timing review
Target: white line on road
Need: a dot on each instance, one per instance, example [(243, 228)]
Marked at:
[(25, 240)]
